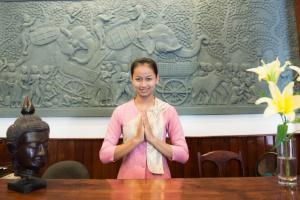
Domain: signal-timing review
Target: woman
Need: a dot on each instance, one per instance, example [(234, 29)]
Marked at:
[(144, 123)]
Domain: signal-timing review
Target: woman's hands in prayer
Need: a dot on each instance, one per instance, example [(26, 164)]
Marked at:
[(144, 130), (147, 128), (140, 135), (160, 145)]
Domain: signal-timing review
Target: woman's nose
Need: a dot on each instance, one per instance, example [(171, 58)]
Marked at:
[(143, 83)]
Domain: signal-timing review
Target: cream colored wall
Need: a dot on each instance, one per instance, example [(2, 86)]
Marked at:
[(193, 125)]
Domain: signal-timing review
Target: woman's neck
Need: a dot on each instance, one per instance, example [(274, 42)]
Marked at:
[(144, 104)]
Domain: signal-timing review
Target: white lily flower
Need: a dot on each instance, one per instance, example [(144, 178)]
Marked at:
[(270, 71)]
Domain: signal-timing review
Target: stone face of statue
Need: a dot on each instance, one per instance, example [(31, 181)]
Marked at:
[(27, 141), (32, 150)]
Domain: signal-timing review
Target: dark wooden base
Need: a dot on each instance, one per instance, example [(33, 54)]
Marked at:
[(27, 185)]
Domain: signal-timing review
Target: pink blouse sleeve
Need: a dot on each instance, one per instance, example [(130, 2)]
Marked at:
[(111, 139), (175, 132)]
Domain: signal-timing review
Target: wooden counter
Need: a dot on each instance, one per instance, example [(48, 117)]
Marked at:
[(175, 189)]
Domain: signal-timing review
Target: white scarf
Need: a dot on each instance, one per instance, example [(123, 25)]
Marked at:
[(155, 117)]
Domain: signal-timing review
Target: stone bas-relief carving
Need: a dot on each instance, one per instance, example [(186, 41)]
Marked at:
[(70, 56), (27, 141)]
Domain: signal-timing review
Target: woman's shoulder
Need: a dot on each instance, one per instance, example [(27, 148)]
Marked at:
[(125, 106), (165, 106)]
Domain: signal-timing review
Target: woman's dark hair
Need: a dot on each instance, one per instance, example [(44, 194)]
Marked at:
[(152, 64)]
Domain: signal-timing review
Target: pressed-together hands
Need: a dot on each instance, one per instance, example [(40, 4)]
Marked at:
[(144, 131)]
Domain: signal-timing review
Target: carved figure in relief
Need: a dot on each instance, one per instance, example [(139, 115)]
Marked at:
[(47, 84), (137, 13), (163, 40), (159, 39), (205, 86), (16, 95), (244, 95), (236, 96), (10, 77), (104, 95), (3, 65), (201, 69), (65, 43), (46, 73), (101, 93), (107, 70), (98, 27), (72, 14), (49, 94), (78, 44), (221, 95), (69, 100), (25, 80), (243, 91), (26, 26), (35, 84), (250, 93), (121, 86)]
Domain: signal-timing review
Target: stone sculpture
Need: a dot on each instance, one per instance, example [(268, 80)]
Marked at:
[(27, 141)]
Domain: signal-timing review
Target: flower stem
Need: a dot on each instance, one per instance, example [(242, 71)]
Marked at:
[(283, 118), (286, 156)]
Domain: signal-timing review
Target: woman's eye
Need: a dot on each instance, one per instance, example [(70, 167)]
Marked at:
[(149, 79)]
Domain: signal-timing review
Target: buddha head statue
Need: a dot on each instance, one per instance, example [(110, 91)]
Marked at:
[(27, 141)]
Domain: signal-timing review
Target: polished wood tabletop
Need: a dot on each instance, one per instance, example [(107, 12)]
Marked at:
[(175, 189)]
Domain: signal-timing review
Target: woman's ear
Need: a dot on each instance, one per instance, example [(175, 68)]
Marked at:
[(157, 79)]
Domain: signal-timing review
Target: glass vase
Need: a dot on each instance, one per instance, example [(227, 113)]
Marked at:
[(287, 162)]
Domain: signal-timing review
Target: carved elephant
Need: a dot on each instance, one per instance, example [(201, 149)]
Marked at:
[(162, 39)]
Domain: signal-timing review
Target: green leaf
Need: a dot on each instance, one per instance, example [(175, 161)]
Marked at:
[(281, 133), (297, 120), (263, 93)]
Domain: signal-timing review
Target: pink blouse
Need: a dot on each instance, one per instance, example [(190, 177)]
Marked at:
[(134, 164)]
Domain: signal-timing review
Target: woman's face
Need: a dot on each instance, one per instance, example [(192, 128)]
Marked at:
[(144, 80)]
